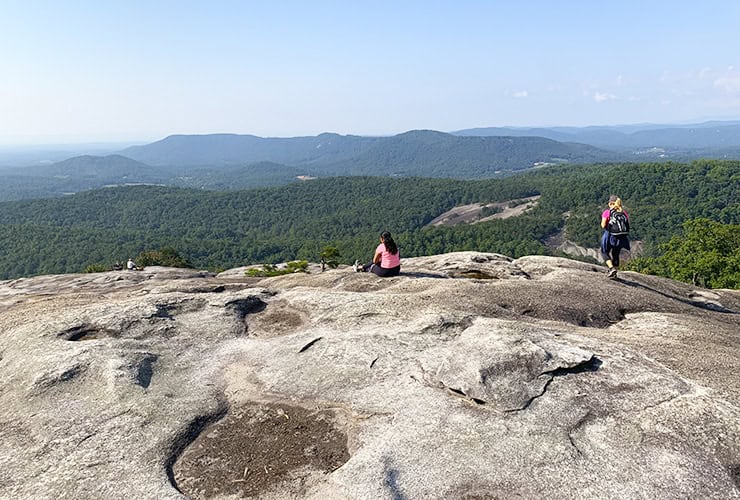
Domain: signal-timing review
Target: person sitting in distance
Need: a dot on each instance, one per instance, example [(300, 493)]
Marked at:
[(387, 259)]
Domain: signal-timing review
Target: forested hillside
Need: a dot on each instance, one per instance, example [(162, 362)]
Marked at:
[(227, 229), (87, 172), (427, 153)]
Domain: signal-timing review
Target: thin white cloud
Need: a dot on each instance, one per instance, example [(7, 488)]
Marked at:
[(730, 84), (603, 96), (729, 81), (520, 93), (699, 78)]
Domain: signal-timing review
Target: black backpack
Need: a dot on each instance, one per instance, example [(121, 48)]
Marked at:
[(619, 224)]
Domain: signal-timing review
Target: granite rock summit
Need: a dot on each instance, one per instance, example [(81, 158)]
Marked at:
[(471, 375)]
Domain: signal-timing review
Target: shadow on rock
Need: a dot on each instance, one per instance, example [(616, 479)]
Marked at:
[(390, 480), (702, 304)]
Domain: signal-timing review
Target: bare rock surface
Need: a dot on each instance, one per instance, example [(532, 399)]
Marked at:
[(471, 375)]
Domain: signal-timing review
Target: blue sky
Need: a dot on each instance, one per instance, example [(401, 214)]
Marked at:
[(89, 71)]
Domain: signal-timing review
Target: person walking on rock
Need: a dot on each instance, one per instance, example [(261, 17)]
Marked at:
[(616, 225), (387, 259)]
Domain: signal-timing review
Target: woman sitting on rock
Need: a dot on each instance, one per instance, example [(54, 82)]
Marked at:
[(387, 259)]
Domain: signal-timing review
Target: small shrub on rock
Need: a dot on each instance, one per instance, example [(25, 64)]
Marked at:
[(96, 268), (166, 256), (269, 270)]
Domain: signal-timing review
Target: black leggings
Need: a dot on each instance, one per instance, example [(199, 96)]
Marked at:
[(611, 247), (383, 272), (613, 256)]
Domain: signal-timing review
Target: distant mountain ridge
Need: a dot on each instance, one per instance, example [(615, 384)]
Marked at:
[(700, 136), (430, 153), (418, 152), (77, 174), (232, 161), (229, 149), (226, 162), (114, 168)]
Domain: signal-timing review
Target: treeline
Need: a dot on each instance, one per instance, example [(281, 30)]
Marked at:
[(219, 230)]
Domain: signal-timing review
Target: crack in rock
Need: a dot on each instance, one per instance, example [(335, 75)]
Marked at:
[(507, 373), (460, 392), (308, 346), (591, 365)]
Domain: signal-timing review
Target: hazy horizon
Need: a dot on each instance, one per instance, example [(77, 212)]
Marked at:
[(90, 73), (112, 145)]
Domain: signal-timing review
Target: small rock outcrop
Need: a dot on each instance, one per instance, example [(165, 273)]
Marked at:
[(471, 375)]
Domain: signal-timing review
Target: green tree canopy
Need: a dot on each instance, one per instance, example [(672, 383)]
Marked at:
[(706, 253), (166, 256)]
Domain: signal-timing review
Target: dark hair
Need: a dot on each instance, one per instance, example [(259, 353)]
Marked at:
[(390, 245)]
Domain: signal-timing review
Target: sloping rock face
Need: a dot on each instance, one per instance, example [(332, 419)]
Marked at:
[(469, 376)]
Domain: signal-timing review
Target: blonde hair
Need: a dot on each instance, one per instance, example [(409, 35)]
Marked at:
[(615, 202)]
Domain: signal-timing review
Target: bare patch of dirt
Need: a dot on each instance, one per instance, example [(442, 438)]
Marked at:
[(258, 447), (471, 214), (280, 318)]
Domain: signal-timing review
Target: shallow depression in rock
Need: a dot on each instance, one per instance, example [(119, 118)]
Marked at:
[(259, 447)]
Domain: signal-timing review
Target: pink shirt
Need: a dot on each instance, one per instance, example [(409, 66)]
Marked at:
[(388, 260), (605, 215)]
